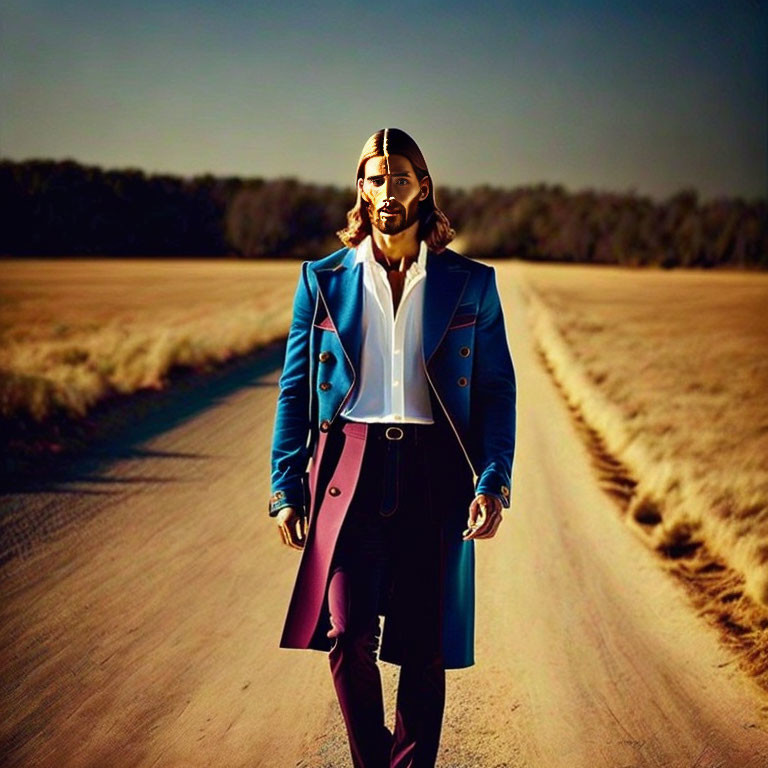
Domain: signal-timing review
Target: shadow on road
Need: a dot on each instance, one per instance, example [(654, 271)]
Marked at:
[(49, 457)]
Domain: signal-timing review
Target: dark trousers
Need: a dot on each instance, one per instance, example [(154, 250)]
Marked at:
[(392, 529)]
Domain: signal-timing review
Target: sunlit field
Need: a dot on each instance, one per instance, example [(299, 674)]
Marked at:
[(74, 331), (670, 371), (666, 369), (669, 367)]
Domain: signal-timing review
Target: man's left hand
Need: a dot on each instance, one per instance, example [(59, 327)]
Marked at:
[(484, 517)]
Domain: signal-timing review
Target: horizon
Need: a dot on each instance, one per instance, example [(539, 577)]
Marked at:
[(657, 200)]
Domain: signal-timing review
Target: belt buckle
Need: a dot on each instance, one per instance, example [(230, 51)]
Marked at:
[(393, 433)]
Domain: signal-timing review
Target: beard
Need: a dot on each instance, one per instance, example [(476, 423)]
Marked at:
[(400, 219)]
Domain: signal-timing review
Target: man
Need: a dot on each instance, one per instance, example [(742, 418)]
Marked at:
[(399, 384)]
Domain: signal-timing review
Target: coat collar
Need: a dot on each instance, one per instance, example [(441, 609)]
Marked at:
[(341, 289), (364, 252)]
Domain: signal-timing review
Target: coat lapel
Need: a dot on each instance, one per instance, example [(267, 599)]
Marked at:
[(341, 288), (442, 294)]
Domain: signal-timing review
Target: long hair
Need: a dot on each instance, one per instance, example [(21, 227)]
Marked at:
[(434, 227)]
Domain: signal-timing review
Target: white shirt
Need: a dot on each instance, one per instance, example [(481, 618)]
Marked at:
[(392, 385)]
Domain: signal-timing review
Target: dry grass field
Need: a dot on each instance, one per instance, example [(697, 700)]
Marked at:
[(669, 371), (74, 331), (144, 585)]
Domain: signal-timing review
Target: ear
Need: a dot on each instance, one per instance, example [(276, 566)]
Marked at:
[(424, 188), (360, 191)]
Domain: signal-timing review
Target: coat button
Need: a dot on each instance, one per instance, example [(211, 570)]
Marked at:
[(334, 491), (464, 351), (325, 385), (324, 356), (325, 425), (462, 381)]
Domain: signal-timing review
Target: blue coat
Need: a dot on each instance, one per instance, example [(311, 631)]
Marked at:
[(469, 369)]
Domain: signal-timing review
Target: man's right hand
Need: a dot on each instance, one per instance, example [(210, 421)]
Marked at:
[(293, 527)]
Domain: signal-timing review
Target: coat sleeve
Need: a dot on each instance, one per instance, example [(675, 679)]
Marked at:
[(494, 395), (292, 424)]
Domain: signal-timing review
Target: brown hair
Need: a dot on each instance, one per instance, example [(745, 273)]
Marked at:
[(434, 227)]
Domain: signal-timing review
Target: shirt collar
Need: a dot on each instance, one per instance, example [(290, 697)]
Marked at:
[(364, 252)]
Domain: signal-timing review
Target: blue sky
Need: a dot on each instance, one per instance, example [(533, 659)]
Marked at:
[(645, 96)]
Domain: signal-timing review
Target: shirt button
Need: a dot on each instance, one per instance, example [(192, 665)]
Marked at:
[(395, 382)]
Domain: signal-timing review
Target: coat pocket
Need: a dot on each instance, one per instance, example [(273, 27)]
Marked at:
[(325, 324), (465, 315)]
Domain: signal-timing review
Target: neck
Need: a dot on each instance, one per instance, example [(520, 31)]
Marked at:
[(403, 245)]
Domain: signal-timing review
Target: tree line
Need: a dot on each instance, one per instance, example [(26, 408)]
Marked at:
[(65, 208)]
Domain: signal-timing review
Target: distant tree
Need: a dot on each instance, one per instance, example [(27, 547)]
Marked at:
[(59, 208)]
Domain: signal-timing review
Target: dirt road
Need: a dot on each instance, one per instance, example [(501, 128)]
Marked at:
[(140, 623)]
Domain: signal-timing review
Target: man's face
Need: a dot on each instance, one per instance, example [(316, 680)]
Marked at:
[(392, 191)]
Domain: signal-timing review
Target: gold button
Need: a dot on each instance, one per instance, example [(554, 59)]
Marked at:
[(504, 490), (334, 491), (324, 355), (325, 425), (462, 381), (464, 351), (325, 385)]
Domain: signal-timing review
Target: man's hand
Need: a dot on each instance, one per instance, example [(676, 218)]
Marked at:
[(293, 527), (484, 517)]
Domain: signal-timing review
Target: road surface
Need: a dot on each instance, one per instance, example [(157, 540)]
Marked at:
[(144, 593)]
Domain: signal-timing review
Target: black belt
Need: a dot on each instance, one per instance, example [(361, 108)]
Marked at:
[(397, 433), (394, 438)]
